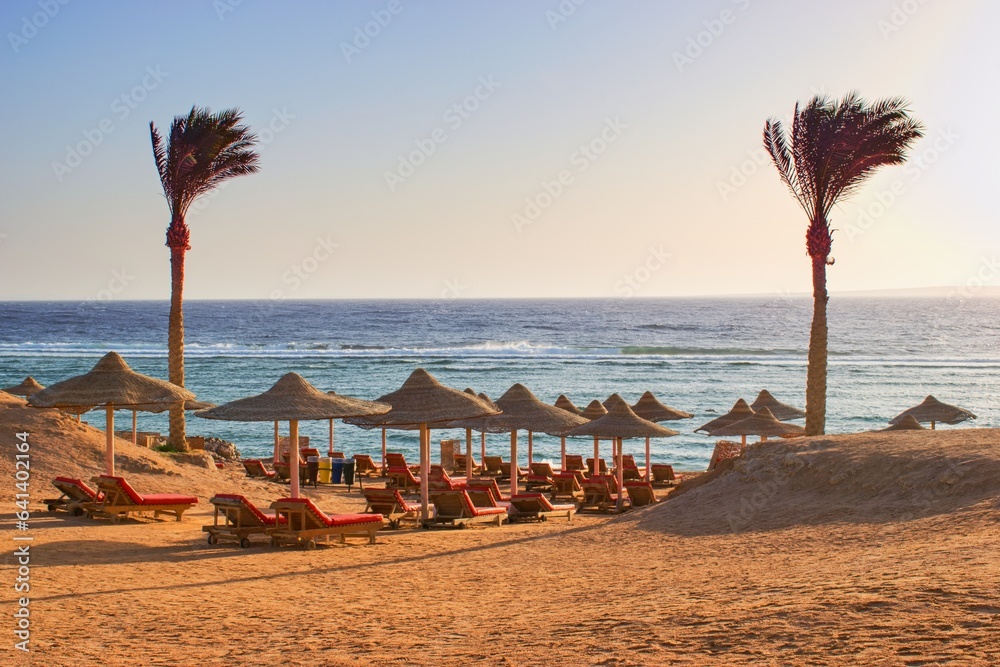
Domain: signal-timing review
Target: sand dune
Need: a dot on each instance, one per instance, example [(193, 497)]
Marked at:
[(870, 549)]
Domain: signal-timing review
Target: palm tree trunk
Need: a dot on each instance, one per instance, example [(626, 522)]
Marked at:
[(175, 341), (816, 374)]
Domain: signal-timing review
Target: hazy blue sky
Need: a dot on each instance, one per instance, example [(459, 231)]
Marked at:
[(373, 183)]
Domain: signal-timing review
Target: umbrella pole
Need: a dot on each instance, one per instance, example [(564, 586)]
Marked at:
[(933, 426), (468, 454), (330, 450), (619, 504), (531, 447), (562, 453), (513, 463), (383, 451), (647, 458), (293, 456), (482, 454), (277, 444), (425, 472), (596, 470), (744, 441), (109, 427), (135, 433)]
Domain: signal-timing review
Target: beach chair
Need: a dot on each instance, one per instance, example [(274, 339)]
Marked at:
[(240, 519), (365, 466), (663, 474), (389, 503), (402, 478), (567, 486), (398, 461), (482, 496), (494, 465), (590, 467), (640, 493), (536, 507), (630, 471), (489, 484), (574, 462), (256, 468), (334, 455), (540, 477), (441, 481), (76, 496), (598, 494), (120, 499), (304, 523), (283, 471), (455, 508), (460, 464)]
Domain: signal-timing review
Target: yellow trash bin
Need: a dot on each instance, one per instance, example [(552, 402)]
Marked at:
[(325, 469)]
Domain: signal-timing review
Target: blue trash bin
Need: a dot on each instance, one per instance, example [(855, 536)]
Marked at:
[(338, 471)]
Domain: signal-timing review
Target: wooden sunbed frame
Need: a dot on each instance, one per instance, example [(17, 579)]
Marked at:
[(390, 504), (567, 486), (640, 493), (256, 468), (120, 500), (536, 507), (664, 474), (305, 523), (240, 519), (75, 498), (455, 508), (598, 495), (402, 479), (365, 466)]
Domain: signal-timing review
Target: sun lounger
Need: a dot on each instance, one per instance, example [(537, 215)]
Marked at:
[(483, 497), (306, 523), (536, 507), (256, 468), (489, 484), (664, 474), (398, 461), (283, 471), (460, 464), (441, 481), (364, 466), (494, 465), (567, 486), (590, 467), (240, 519), (120, 499), (574, 462), (334, 455), (76, 496), (402, 479), (540, 477), (630, 470), (640, 493), (390, 504), (455, 508), (599, 495)]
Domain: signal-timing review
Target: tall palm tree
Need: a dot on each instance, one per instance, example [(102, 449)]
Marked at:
[(832, 148), (202, 151)]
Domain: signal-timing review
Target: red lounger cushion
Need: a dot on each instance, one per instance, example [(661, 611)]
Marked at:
[(543, 501), (269, 519), (480, 511), (78, 483), (153, 498), (334, 520)]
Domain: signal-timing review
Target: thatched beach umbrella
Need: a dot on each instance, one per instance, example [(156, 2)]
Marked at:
[(293, 399), (521, 410), (112, 384), (933, 411), (781, 411), (595, 410), (763, 423), (28, 387), (740, 410), (907, 423), (621, 423), (609, 403), (649, 408), (564, 403), (423, 401)]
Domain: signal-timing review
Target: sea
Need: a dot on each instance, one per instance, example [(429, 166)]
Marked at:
[(695, 354)]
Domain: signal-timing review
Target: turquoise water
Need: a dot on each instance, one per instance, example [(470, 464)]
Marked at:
[(697, 355)]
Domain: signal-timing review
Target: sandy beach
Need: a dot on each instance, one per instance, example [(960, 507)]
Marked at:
[(875, 549)]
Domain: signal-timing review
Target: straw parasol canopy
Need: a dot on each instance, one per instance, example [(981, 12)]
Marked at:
[(565, 404), (190, 406), (933, 411), (650, 409), (612, 400), (620, 423), (740, 410), (293, 399), (521, 410), (907, 423), (594, 410), (781, 411), (28, 387), (763, 423), (112, 384)]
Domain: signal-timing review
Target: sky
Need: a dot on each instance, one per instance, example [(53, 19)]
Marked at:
[(416, 149)]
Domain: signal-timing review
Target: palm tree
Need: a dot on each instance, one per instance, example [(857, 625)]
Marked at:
[(202, 151), (832, 148)]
